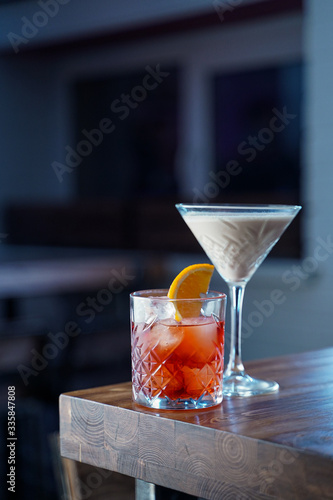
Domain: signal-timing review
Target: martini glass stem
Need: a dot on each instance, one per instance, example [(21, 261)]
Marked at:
[(235, 365)]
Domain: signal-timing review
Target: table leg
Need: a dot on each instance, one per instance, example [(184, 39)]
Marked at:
[(150, 491), (144, 490)]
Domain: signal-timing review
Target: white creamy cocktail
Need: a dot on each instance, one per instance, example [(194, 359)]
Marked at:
[(237, 238), (237, 243)]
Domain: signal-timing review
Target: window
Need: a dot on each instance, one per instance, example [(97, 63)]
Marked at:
[(137, 157)]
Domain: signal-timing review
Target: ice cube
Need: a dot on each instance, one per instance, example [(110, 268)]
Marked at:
[(167, 380), (162, 339), (197, 381), (163, 309)]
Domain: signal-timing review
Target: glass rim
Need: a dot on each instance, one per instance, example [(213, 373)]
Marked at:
[(230, 207), (238, 206), (161, 294)]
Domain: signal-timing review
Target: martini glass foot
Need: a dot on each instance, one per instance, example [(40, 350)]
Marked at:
[(241, 384)]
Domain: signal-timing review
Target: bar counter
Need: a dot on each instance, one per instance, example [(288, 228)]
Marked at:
[(263, 447)]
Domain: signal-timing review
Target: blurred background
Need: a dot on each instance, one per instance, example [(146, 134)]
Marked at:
[(111, 112)]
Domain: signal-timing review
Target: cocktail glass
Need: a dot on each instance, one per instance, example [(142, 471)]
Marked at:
[(237, 238), (177, 364)]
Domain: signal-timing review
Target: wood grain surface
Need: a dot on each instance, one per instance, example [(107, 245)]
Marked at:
[(275, 446)]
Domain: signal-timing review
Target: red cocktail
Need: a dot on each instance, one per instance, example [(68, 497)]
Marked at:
[(177, 364)]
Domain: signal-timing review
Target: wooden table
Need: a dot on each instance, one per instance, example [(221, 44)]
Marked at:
[(276, 446)]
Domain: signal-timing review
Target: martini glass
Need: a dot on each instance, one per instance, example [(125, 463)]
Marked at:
[(237, 238)]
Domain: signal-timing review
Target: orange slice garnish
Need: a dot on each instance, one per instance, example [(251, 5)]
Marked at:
[(190, 283)]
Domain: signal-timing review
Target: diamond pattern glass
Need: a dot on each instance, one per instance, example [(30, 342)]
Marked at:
[(177, 364)]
